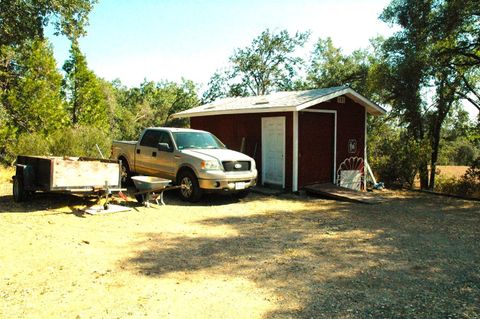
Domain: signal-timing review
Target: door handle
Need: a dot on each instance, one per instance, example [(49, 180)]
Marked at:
[(154, 154)]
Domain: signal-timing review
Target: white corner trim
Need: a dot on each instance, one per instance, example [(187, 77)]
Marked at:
[(365, 162), (295, 153), (334, 138)]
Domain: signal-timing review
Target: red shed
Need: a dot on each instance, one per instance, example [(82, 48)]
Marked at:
[(296, 138)]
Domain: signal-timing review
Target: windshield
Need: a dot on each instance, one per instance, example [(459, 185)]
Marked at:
[(196, 140)]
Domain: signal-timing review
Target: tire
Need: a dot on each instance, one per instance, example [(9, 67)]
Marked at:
[(19, 193), (125, 175), (139, 198), (190, 190)]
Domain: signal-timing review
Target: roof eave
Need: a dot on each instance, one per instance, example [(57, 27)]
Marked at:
[(371, 107), (235, 111)]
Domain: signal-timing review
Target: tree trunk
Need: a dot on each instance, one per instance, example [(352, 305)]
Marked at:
[(446, 96), (423, 172)]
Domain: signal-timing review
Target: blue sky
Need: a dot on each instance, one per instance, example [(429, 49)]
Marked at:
[(167, 39)]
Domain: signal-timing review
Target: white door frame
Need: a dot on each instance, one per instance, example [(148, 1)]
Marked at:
[(295, 145), (283, 147)]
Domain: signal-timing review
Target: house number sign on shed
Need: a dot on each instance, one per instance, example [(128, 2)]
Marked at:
[(352, 145)]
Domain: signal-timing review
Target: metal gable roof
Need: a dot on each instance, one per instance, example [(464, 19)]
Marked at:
[(279, 102)]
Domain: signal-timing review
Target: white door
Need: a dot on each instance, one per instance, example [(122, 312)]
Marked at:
[(273, 150)]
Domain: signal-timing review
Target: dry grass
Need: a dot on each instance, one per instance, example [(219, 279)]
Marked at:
[(415, 256), (451, 171), (444, 171), (6, 174)]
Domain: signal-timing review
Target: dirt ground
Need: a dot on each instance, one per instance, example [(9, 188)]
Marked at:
[(413, 256)]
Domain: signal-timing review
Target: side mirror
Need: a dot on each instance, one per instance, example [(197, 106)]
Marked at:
[(164, 147)]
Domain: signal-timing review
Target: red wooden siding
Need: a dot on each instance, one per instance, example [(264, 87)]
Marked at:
[(350, 125), (230, 129), (315, 148)]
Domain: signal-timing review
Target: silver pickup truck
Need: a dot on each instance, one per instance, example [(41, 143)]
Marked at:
[(194, 159)]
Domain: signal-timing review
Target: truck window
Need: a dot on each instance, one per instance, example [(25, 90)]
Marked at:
[(196, 140), (150, 138), (165, 138)]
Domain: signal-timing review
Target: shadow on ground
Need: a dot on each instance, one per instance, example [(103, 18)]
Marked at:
[(67, 203), (44, 202), (413, 257)]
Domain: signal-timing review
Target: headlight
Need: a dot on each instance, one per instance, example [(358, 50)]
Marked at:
[(210, 165)]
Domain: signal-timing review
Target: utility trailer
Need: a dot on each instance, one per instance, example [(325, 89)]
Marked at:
[(77, 175)]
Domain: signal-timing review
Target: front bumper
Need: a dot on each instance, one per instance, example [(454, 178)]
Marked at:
[(229, 181)]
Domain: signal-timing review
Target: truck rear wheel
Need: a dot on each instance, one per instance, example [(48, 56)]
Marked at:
[(125, 174), (190, 190)]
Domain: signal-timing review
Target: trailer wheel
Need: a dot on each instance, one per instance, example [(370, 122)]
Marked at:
[(190, 190), (19, 193), (139, 198)]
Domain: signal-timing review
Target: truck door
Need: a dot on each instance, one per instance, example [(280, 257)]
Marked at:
[(152, 161), (166, 161), (146, 152)]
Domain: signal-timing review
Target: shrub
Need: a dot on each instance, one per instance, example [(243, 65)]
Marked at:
[(395, 161), (467, 185), (28, 144), (79, 141)]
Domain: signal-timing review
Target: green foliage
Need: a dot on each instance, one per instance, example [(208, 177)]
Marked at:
[(436, 51), (268, 64), (459, 152), (78, 141), (33, 99), (330, 67), (87, 100), (24, 20), (30, 99), (392, 154), (152, 104), (28, 144), (219, 87)]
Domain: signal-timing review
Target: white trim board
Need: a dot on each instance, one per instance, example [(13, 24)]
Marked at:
[(365, 154), (295, 153)]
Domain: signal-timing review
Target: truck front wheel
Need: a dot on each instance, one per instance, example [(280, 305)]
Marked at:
[(190, 190)]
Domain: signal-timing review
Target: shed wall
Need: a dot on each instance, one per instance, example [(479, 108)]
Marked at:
[(350, 125), (230, 129)]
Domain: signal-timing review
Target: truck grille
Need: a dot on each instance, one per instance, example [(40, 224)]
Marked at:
[(233, 166)]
